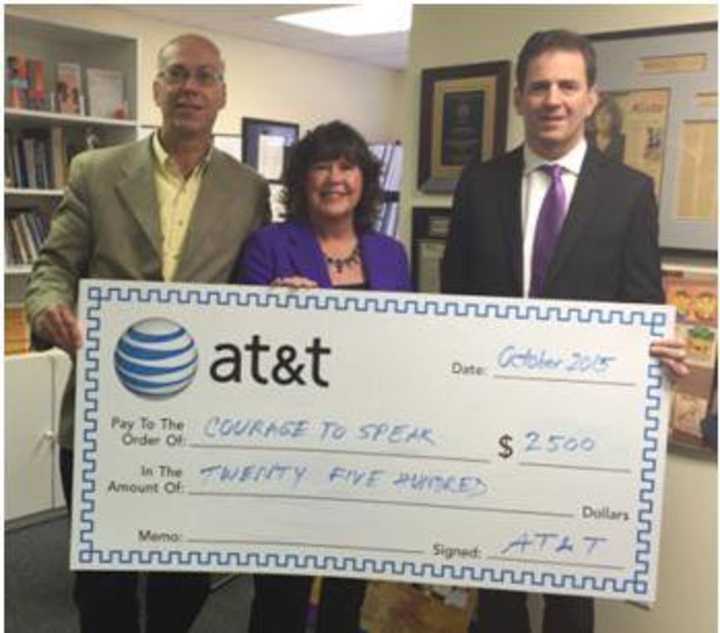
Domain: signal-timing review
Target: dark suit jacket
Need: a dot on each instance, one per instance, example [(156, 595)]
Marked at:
[(607, 251), (291, 248)]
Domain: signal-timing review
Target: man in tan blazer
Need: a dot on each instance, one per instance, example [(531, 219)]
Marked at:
[(165, 208)]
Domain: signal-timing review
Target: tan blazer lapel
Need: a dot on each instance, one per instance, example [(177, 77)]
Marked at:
[(211, 206), (137, 192)]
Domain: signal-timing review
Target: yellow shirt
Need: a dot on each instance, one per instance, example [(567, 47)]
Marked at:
[(176, 199)]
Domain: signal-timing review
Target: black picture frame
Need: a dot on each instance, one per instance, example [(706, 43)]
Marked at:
[(430, 229), (251, 131), (463, 113)]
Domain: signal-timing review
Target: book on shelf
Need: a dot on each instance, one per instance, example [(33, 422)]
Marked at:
[(36, 158), (16, 81), (14, 157), (18, 247), (9, 168), (12, 254), (25, 232), (25, 83), (21, 248), (33, 229), (27, 151), (42, 163), (32, 240), (17, 331), (68, 89), (59, 156), (22, 163), (28, 246), (106, 93), (36, 93)]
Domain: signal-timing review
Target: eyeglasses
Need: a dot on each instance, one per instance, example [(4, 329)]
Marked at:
[(177, 75)]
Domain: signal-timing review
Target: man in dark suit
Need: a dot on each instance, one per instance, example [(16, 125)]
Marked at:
[(172, 208), (554, 218)]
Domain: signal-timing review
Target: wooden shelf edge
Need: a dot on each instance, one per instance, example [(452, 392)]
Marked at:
[(70, 119), (18, 270), (30, 193)]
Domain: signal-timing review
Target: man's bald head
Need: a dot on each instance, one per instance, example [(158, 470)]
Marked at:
[(165, 52)]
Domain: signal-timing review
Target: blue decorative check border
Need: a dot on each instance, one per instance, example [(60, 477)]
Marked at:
[(636, 584)]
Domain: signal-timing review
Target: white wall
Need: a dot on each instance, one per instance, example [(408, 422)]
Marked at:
[(445, 36), (264, 80), (687, 589)]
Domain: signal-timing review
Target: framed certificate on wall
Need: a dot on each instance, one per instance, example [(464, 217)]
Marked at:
[(430, 228), (658, 114)]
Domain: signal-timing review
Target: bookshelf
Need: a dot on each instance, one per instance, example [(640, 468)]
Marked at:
[(35, 380), (39, 139)]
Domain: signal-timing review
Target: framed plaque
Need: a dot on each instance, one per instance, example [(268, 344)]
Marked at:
[(430, 228), (463, 113)]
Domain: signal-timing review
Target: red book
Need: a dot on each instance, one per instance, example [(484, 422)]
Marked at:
[(36, 84)]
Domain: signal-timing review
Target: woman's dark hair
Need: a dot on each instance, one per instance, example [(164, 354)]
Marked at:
[(332, 141)]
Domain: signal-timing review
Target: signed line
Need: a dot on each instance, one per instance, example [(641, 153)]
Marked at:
[(555, 562), (609, 383), (359, 548), (410, 504), (624, 471), (330, 451)]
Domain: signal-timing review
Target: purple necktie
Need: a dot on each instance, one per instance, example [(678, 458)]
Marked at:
[(547, 229)]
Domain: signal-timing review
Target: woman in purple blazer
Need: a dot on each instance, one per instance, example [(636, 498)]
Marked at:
[(332, 194)]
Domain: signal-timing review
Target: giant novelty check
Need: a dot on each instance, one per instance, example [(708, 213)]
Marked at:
[(463, 440)]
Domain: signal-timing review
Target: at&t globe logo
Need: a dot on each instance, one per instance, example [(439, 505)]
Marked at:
[(156, 358)]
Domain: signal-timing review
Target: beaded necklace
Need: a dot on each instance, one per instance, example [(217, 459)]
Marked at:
[(339, 263)]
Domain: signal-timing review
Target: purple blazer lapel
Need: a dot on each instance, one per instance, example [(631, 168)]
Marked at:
[(305, 255), (305, 258), (373, 257)]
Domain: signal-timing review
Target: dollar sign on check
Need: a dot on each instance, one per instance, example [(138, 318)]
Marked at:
[(505, 442)]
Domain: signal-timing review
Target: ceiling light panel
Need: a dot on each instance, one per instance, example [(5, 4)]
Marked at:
[(371, 18)]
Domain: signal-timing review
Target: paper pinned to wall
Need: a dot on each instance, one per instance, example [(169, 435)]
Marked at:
[(271, 150)]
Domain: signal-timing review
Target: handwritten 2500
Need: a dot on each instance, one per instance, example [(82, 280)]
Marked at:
[(555, 442), (549, 443)]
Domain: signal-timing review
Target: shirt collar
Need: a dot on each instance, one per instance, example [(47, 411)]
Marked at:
[(571, 162), (165, 161)]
